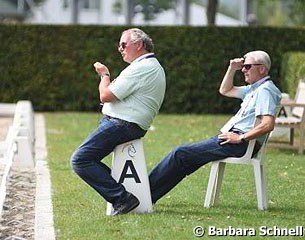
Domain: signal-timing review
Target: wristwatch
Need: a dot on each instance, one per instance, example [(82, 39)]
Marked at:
[(242, 138)]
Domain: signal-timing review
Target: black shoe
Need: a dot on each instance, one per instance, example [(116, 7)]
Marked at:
[(129, 204)]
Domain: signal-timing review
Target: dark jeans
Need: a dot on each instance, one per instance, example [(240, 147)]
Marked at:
[(86, 160), (186, 159)]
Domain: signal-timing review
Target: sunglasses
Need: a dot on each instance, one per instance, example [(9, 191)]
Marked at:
[(248, 66), (122, 45)]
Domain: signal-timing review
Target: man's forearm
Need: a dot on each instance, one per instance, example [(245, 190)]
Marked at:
[(266, 126), (227, 82), (103, 88)]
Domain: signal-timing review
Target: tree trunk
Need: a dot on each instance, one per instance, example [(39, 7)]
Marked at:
[(186, 12), (129, 11), (75, 11), (211, 12)]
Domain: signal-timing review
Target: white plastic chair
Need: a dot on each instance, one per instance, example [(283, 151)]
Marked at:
[(217, 172)]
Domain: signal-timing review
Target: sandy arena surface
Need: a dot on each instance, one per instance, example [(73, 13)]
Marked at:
[(18, 214)]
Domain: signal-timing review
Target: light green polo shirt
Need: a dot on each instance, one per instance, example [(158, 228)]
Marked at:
[(140, 88)]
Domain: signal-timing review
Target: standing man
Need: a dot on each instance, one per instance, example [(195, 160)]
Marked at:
[(260, 99), (130, 103)]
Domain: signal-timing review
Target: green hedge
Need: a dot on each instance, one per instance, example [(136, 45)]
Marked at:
[(52, 65), (293, 70)]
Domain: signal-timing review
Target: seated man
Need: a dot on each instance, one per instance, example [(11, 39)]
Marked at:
[(260, 99), (131, 101)]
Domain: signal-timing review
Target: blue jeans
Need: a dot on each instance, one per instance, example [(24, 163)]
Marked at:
[(86, 160), (186, 159)]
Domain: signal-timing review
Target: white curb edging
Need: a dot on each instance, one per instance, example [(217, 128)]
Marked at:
[(44, 227)]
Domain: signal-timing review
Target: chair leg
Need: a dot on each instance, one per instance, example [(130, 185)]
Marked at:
[(214, 184), (264, 187), (221, 170), (291, 136), (209, 196), (260, 184), (301, 146)]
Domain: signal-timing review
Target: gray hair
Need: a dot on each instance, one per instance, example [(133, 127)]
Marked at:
[(260, 57), (137, 34)]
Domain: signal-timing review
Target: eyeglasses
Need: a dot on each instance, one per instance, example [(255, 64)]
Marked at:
[(122, 45), (248, 66)]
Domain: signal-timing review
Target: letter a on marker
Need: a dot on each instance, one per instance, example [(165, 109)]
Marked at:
[(133, 174)]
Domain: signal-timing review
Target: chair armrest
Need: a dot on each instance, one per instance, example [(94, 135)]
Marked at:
[(292, 104), (287, 101)]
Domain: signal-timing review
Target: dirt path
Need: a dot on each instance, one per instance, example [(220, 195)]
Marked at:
[(18, 214)]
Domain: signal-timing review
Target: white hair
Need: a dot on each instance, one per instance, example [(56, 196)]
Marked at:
[(260, 57), (137, 34)]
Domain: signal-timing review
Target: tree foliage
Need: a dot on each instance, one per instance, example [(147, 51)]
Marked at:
[(297, 11), (280, 12), (149, 8), (36, 2)]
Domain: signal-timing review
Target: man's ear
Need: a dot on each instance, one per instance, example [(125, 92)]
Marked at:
[(140, 45), (263, 69)]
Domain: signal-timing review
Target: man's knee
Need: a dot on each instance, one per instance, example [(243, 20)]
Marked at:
[(184, 160), (180, 155), (75, 160)]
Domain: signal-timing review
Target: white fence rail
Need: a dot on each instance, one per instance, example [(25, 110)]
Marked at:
[(8, 149), (18, 146)]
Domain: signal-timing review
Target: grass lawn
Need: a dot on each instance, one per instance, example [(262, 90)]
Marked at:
[(80, 213)]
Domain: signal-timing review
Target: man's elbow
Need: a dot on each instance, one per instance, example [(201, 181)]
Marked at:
[(269, 126), (225, 92), (107, 96), (104, 98), (221, 91)]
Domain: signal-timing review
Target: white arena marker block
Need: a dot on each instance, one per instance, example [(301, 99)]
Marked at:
[(129, 168)]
